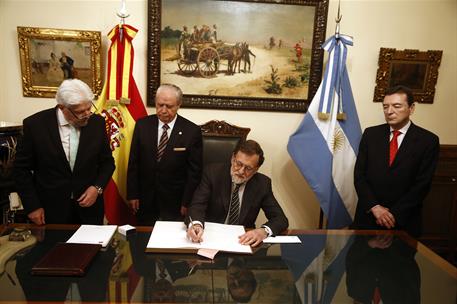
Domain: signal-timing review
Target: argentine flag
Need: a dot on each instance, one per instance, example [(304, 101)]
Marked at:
[(325, 145)]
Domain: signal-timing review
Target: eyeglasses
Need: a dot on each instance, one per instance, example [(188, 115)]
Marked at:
[(238, 165), (81, 117)]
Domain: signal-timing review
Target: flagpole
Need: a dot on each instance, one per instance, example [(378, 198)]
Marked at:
[(322, 220), (122, 13), (338, 20)]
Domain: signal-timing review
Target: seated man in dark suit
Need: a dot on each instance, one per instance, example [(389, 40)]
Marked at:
[(234, 194)]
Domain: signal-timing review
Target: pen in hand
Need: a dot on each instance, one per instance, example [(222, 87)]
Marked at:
[(192, 227)]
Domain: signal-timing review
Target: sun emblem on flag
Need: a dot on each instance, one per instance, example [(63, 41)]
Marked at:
[(338, 139), (113, 124)]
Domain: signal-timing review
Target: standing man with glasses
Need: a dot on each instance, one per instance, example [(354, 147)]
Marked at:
[(165, 162), (234, 193), (394, 168), (64, 161)]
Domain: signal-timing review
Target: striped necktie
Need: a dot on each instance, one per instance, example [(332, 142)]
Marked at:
[(234, 208), (163, 142)]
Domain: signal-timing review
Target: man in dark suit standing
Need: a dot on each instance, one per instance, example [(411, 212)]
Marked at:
[(165, 161), (63, 160), (234, 193), (394, 168)]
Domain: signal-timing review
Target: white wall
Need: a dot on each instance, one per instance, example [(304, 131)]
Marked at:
[(423, 25)]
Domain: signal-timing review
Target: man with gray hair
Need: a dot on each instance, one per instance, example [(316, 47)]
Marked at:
[(165, 162), (63, 160)]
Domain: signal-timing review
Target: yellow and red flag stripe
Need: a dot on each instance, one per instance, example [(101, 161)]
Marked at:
[(121, 105)]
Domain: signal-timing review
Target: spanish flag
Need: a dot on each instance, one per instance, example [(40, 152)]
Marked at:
[(121, 105)]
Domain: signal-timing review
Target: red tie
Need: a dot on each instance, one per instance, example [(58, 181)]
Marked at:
[(377, 294), (393, 146)]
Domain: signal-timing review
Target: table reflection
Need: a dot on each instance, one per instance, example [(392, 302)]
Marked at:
[(327, 267), (382, 268)]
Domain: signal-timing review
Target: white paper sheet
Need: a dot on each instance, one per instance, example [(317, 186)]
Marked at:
[(282, 239), (172, 235), (93, 234)]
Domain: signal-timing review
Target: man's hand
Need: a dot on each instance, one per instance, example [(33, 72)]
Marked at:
[(195, 233), (183, 211), (37, 216), (134, 205), (89, 197), (381, 241), (253, 237), (383, 216)]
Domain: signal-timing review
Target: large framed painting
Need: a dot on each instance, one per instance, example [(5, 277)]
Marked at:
[(412, 68), (245, 54), (48, 56)]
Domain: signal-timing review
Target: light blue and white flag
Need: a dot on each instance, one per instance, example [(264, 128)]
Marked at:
[(318, 267), (325, 145)]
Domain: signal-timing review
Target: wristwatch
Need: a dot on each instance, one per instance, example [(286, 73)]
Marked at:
[(267, 230), (99, 189)]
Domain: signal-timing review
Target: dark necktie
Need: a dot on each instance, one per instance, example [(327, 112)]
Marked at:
[(234, 208), (163, 142), (393, 146), (161, 266)]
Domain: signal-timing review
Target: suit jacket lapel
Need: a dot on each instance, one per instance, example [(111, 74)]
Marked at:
[(84, 138), (386, 144), (226, 190), (53, 127), (174, 136), (248, 197), (154, 126)]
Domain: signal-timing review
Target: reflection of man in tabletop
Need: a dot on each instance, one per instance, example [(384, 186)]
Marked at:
[(241, 282), (382, 268)]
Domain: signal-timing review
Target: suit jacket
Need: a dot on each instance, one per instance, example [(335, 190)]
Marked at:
[(212, 199), (43, 175), (401, 187), (163, 187)]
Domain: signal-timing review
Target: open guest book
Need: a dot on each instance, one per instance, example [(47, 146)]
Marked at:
[(171, 237)]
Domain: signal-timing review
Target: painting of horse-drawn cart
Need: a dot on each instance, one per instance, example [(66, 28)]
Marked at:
[(239, 53), (205, 59)]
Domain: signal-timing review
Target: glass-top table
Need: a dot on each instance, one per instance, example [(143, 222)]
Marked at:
[(329, 266)]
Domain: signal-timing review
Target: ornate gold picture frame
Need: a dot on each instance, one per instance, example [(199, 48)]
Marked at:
[(48, 56), (412, 68), (239, 54)]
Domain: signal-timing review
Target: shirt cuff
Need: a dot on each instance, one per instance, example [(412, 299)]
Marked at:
[(268, 230), (194, 223), (371, 209)]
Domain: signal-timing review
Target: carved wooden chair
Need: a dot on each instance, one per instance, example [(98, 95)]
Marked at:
[(219, 140)]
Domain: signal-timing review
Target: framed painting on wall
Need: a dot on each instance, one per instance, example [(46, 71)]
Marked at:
[(48, 56), (412, 68), (247, 54)]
